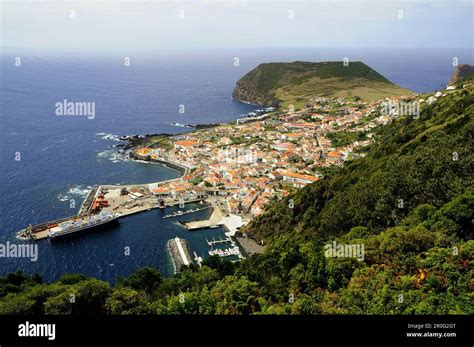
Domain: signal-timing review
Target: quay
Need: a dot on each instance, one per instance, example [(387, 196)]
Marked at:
[(214, 221), (231, 222), (40, 231), (123, 199), (129, 199)]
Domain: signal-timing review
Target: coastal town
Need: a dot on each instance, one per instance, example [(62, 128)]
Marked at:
[(265, 155), (235, 170)]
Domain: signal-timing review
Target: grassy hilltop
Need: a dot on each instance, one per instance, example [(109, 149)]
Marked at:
[(295, 83)]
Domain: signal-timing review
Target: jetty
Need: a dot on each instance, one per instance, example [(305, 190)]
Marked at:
[(179, 253), (40, 231), (219, 241), (182, 213), (197, 259), (162, 204), (86, 206)]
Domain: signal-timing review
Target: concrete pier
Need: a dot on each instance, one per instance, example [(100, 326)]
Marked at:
[(215, 220), (88, 201), (179, 253), (231, 222)]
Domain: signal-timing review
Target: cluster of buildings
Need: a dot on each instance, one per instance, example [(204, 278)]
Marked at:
[(251, 163)]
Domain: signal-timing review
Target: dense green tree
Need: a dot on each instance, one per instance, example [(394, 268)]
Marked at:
[(126, 301), (17, 305), (60, 304), (86, 297), (146, 279), (236, 295), (72, 278), (224, 267)]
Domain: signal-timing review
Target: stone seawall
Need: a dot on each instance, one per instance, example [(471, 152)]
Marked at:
[(181, 168)]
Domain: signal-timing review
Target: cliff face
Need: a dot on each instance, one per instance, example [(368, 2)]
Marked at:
[(257, 87), (247, 91), (461, 71), (272, 84)]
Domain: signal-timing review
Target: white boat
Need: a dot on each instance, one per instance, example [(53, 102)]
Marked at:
[(82, 223)]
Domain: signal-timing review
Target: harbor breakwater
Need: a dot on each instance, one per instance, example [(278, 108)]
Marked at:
[(178, 250)]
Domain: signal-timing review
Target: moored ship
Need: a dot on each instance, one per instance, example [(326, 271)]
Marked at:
[(82, 223)]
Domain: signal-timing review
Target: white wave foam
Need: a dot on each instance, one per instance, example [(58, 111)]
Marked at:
[(63, 197), (113, 155), (79, 190), (104, 154), (109, 137)]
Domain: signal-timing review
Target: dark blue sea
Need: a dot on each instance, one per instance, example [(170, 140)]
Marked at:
[(62, 157)]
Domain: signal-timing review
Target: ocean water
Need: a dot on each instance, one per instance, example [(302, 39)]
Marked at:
[(61, 157)]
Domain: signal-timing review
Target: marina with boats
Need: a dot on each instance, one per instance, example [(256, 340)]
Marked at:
[(227, 252), (233, 250)]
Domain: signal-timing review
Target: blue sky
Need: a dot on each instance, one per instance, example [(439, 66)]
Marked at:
[(156, 25)]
